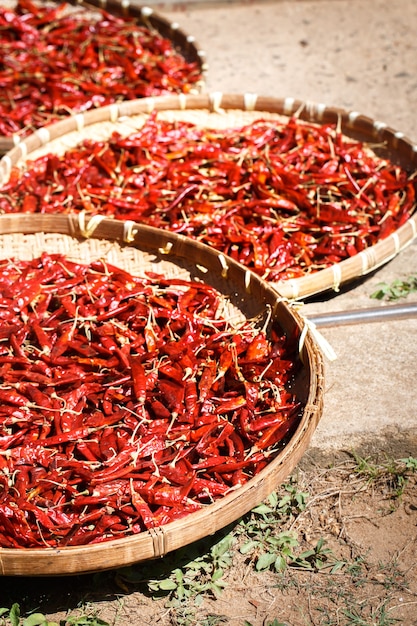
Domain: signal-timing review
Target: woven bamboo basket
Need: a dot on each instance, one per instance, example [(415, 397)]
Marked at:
[(139, 248), (222, 111), (185, 44)]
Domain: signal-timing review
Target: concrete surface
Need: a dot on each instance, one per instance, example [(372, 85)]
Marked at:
[(360, 55)]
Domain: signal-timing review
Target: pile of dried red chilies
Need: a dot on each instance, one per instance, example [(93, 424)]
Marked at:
[(284, 198), (128, 402), (53, 62)]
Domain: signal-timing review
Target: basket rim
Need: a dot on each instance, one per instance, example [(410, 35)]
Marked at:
[(350, 122), (159, 541)]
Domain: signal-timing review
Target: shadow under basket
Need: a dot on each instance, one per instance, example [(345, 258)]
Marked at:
[(137, 249), (222, 111)]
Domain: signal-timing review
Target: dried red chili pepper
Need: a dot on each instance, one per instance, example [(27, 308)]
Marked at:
[(282, 198), (54, 61), (144, 436)]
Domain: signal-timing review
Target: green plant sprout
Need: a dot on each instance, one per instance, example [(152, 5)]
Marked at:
[(13, 617), (395, 290)]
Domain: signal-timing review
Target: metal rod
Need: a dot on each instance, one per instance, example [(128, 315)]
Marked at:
[(357, 316)]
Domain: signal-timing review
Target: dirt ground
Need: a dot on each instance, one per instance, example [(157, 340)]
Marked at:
[(359, 518)]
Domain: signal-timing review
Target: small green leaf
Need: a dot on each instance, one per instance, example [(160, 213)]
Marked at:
[(222, 546), (218, 573), (273, 499), (265, 561), (288, 540), (280, 563), (14, 615), (285, 501), (382, 290), (262, 509), (399, 288), (410, 463), (217, 590), (167, 584), (198, 600), (220, 584), (337, 567), (178, 575), (248, 546), (36, 619)]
